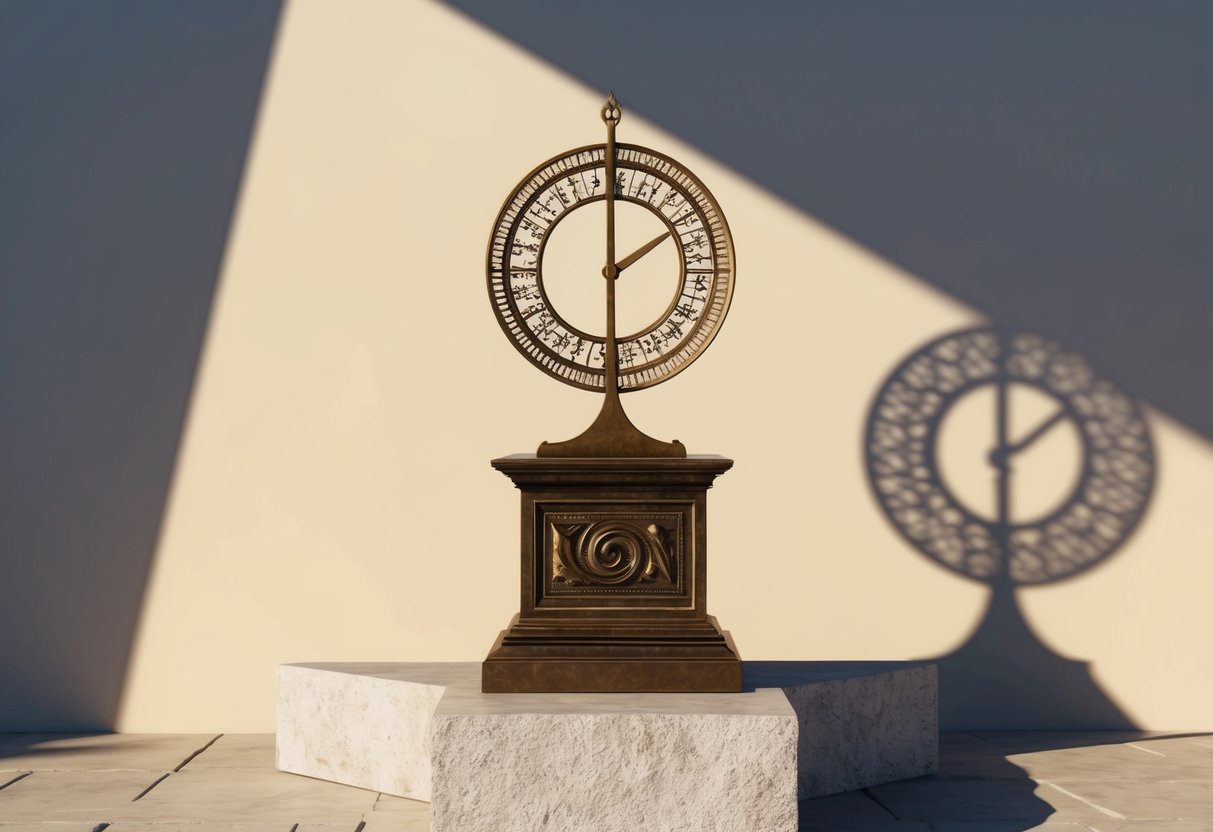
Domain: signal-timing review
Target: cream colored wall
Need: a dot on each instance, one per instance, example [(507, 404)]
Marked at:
[(333, 498)]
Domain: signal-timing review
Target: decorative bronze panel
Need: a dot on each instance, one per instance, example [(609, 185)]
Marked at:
[(611, 553), (614, 554)]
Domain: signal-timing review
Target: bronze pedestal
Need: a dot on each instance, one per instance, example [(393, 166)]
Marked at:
[(614, 575)]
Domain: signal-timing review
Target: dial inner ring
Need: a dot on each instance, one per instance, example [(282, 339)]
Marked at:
[(642, 331)]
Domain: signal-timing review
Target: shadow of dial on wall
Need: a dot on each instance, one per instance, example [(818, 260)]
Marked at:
[(1006, 459)]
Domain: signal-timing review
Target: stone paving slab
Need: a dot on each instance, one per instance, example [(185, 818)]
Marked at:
[(852, 811), (392, 825), (202, 827), (1110, 762), (1008, 826), (400, 807), (95, 796), (1148, 801), (250, 795), (100, 752), (237, 751), (1191, 749), (1015, 755), (933, 799), (398, 814), (963, 755), (873, 826), (1138, 782), (1021, 741), (1157, 826)]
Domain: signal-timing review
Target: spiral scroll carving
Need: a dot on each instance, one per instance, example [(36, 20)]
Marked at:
[(609, 553)]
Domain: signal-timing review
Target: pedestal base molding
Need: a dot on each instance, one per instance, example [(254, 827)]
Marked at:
[(589, 657)]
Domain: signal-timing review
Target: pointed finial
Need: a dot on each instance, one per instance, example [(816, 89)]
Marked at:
[(612, 112)]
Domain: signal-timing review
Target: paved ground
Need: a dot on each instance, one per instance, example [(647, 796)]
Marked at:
[(988, 782)]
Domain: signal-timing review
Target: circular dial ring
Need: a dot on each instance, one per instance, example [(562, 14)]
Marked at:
[(571, 180)]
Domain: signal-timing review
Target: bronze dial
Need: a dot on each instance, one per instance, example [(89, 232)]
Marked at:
[(694, 226)]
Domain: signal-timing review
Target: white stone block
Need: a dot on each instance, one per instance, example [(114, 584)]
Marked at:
[(860, 723), (614, 762), (609, 762), (365, 725)]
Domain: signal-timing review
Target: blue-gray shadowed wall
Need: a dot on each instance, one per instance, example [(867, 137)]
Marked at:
[(1050, 164), (123, 134)]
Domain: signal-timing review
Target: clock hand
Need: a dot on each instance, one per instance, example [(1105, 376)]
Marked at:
[(640, 252)]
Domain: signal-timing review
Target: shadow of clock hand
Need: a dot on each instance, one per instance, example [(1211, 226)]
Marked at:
[(1000, 457)]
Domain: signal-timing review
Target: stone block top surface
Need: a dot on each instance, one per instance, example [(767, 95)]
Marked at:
[(786, 674), (463, 700), (762, 682), (440, 674), (462, 695)]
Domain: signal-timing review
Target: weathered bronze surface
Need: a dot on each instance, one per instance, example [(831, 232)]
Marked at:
[(614, 533), (614, 364), (613, 583)]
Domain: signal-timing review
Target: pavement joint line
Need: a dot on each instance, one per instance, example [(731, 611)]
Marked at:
[(1102, 810), (188, 759), (157, 782), (880, 803), (977, 736), (20, 776), (1146, 750)]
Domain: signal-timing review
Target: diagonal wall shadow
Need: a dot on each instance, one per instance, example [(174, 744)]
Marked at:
[(122, 142), (1048, 164)]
